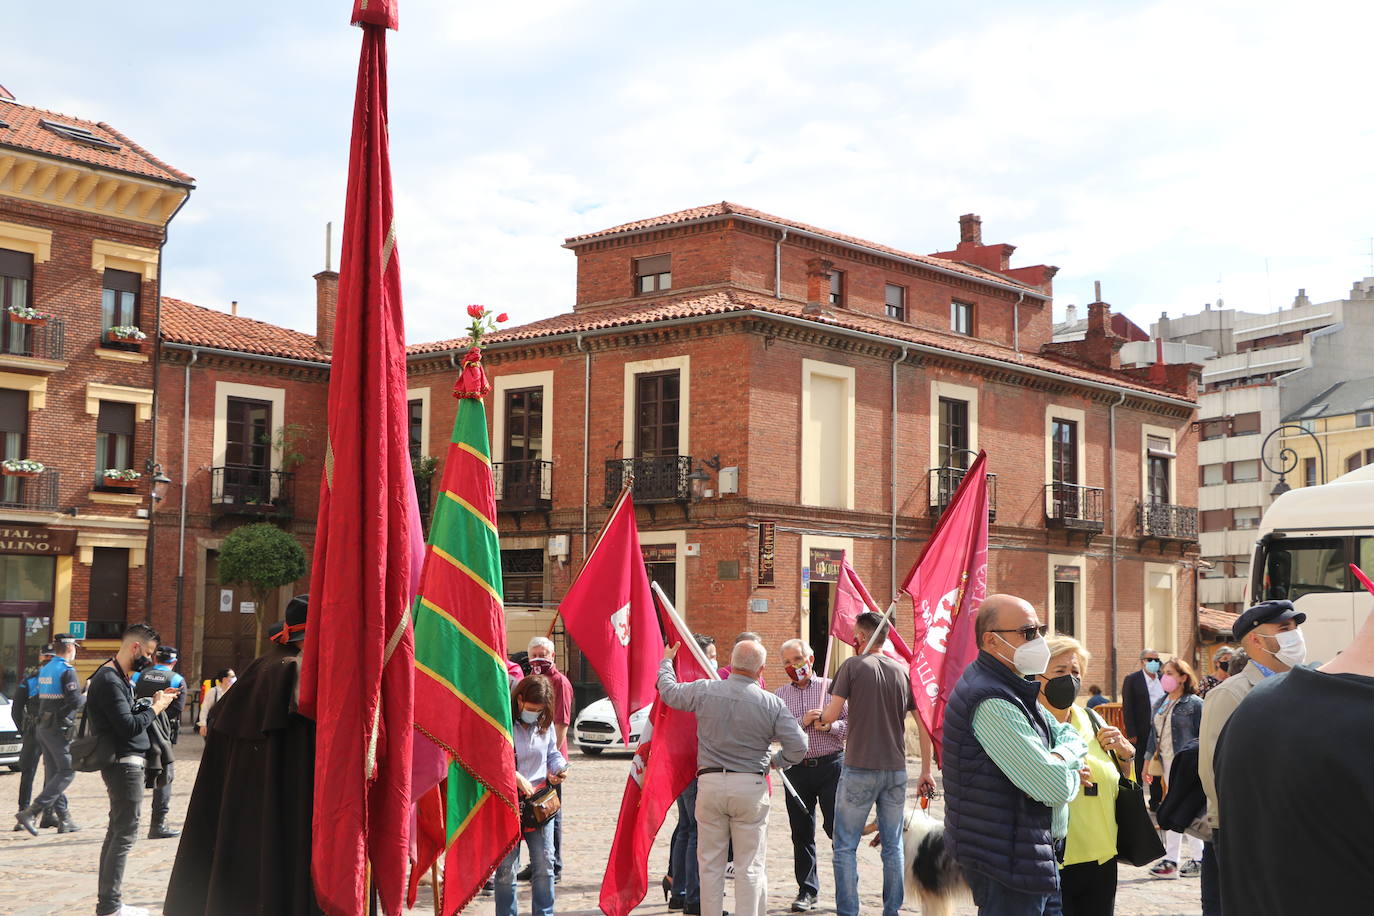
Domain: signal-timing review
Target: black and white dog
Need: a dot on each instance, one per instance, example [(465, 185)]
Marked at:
[(932, 875)]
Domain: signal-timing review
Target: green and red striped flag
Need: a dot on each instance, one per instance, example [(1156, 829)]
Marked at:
[(462, 692)]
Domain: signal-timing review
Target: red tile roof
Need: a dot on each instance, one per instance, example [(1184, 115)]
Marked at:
[(725, 303), (194, 325), (26, 132), (726, 208), (1216, 621)]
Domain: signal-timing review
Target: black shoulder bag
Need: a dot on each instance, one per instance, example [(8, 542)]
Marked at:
[(90, 753), (1137, 841)]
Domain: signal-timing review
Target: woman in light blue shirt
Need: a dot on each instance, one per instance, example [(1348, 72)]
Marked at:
[(537, 762)]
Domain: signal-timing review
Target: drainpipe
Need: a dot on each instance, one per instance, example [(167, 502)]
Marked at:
[(1016, 322), (1111, 471), (586, 432), (185, 476), (892, 562), (777, 265)]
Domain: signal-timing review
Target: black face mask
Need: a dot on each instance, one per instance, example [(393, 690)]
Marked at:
[(1223, 665), (141, 662), (1061, 691)]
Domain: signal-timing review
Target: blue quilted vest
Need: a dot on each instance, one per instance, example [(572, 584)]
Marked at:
[(992, 827)]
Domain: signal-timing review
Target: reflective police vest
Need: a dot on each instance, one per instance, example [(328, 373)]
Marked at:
[(53, 679), (159, 677)]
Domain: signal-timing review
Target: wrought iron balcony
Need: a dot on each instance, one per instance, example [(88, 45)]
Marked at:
[(36, 493), (945, 481), (252, 491), (1166, 521), (1070, 506), (523, 486), (32, 341), (657, 480)]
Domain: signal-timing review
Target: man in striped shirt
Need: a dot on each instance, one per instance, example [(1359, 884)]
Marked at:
[(818, 774)]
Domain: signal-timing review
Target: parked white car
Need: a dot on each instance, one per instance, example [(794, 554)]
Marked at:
[(596, 728), (10, 739)]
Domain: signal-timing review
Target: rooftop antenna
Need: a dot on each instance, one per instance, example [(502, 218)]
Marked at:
[(328, 245), (1097, 290)]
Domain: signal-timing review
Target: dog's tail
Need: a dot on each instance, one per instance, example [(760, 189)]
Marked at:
[(932, 875)]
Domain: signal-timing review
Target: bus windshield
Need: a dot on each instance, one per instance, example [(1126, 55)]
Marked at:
[(1293, 567)]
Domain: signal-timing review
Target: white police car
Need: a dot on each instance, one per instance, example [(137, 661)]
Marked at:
[(10, 739), (596, 728)]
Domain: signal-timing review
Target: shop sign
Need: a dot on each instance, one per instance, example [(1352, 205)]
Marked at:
[(767, 553), (38, 540)]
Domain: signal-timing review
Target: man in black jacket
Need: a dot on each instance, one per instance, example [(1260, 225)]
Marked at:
[(122, 724), (1139, 692)]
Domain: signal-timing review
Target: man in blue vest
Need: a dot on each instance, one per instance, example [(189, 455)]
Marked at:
[(1010, 771), (162, 734), (59, 697), (26, 722)]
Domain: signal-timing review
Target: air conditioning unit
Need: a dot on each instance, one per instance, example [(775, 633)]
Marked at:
[(558, 545)]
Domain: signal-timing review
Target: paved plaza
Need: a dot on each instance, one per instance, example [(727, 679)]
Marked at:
[(55, 874)]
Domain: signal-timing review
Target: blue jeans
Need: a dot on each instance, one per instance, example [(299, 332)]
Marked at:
[(996, 899), (540, 843), (859, 790), (683, 859)]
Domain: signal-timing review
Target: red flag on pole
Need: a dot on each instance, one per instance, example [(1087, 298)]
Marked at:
[(664, 765), (851, 600), (357, 677), (948, 582), (609, 613)]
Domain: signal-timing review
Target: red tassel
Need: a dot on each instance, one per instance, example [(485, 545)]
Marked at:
[(472, 381)]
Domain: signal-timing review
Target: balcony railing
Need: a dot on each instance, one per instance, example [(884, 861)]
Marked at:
[(945, 481), (522, 486), (36, 493), (1166, 521), (657, 480), (251, 491), (33, 341), (1070, 506)]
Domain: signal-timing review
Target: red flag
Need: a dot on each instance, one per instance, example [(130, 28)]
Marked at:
[(948, 582), (664, 765), (609, 613), (430, 837), (851, 600), (357, 680), (1364, 580)]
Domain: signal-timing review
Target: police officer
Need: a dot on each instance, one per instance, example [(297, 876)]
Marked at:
[(26, 721), (161, 734), (59, 698)]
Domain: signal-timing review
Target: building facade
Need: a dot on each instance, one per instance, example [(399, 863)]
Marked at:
[(84, 213)]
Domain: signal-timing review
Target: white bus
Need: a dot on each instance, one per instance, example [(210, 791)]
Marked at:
[(1308, 539)]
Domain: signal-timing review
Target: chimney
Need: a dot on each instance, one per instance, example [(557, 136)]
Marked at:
[(818, 283), (326, 301), (971, 229), (1070, 313), (234, 308), (1301, 299)]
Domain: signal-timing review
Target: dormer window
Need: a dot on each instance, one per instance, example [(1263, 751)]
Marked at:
[(79, 134), (653, 274), (837, 287)]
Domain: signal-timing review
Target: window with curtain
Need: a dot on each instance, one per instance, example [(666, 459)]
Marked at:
[(16, 278), (119, 299), (953, 433), (114, 438), (14, 432)]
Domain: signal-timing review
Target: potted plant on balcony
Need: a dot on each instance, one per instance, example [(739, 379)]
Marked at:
[(21, 467), (27, 314), (121, 479), (126, 334)]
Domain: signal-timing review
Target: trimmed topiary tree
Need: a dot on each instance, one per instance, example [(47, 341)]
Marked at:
[(262, 558)]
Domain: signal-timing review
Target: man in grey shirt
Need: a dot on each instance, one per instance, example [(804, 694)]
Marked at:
[(737, 722)]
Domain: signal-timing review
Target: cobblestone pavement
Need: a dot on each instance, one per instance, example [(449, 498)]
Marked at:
[(55, 874)]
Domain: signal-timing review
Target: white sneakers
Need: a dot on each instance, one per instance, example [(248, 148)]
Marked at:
[(126, 910)]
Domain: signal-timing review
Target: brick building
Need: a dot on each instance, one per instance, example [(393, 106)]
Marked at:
[(782, 393), (84, 212)]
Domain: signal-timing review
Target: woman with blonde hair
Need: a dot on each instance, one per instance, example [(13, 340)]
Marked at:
[(1087, 875)]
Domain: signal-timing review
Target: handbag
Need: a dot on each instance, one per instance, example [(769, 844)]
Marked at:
[(1137, 841), (90, 753), (536, 810)]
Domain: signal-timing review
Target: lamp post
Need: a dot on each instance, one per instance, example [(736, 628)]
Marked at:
[(1288, 458)]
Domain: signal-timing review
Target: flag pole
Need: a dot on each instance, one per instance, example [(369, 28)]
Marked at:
[(434, 885), (887, 618)]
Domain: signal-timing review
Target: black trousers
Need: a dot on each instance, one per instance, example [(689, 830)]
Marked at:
[(814, 785), (57, 769), (1088, 889), (30, 752), (124, 783), (162, 792), (1211, 876)]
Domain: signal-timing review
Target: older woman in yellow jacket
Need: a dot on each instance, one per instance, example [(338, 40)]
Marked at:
[(1087, 876)]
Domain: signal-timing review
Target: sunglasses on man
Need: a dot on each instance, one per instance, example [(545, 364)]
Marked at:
[(1027, 633)]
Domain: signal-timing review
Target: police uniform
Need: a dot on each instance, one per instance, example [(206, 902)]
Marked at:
[(59, 698), (162, 732), (25, 710)]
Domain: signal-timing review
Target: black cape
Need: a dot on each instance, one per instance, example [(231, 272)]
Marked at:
[(245, 846)]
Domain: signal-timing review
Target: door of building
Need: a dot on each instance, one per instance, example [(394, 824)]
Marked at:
[(230, 634), (248, 451), (26, 592)]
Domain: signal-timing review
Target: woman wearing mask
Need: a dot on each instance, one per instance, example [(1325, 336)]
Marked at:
[(537, 763), (224, 679), (1177, 717), (1087, 877)]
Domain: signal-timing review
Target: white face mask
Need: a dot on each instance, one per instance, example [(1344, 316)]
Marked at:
[(1030, 658), (1292, 649)]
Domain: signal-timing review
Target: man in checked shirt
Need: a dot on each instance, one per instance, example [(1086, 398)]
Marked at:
[(818, 774)]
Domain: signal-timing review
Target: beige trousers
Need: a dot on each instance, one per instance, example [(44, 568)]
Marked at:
[(732, 807)]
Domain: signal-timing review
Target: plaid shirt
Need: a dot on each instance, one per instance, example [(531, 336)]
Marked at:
[(799, 700)]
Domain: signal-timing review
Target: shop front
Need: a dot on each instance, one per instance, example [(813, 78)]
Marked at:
[(30, 557)]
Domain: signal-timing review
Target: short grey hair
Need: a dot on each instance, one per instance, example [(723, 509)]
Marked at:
[(748, 656), (799, 644), (540, 642), (1145, 652)]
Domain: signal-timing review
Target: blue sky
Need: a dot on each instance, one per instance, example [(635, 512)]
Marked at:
[(1177, 151)]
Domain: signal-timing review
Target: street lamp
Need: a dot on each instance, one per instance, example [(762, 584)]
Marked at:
[(1288, 458), (160, 480)]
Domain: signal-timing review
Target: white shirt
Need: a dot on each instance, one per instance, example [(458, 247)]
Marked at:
[(1156, 689)]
